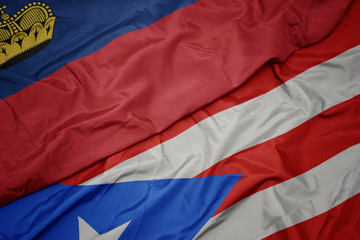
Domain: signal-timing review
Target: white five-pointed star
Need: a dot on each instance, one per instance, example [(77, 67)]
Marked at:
[(86, 232)]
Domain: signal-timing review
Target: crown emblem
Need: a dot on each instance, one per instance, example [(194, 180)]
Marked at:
[(25, 33)]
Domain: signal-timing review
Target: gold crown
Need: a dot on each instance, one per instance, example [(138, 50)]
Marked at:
[(25, 33)]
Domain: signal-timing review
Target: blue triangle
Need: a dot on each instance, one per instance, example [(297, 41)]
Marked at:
[(161, 209)]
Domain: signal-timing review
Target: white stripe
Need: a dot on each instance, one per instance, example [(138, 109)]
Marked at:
[(245, 125), (290, 202)]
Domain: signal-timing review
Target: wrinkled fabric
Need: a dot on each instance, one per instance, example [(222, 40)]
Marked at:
[(290, 202), (245, 125), (165, 209), (331, 225), (141, 82), (282, 184)]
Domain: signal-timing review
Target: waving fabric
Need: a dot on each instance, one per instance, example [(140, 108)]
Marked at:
[(181, 120), (135, 85)]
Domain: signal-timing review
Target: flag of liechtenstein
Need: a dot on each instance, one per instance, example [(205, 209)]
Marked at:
[(82, 80)]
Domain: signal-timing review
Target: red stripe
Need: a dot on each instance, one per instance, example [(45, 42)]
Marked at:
[(142, 82), (269, 77), (339, 223), (292, 153)]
